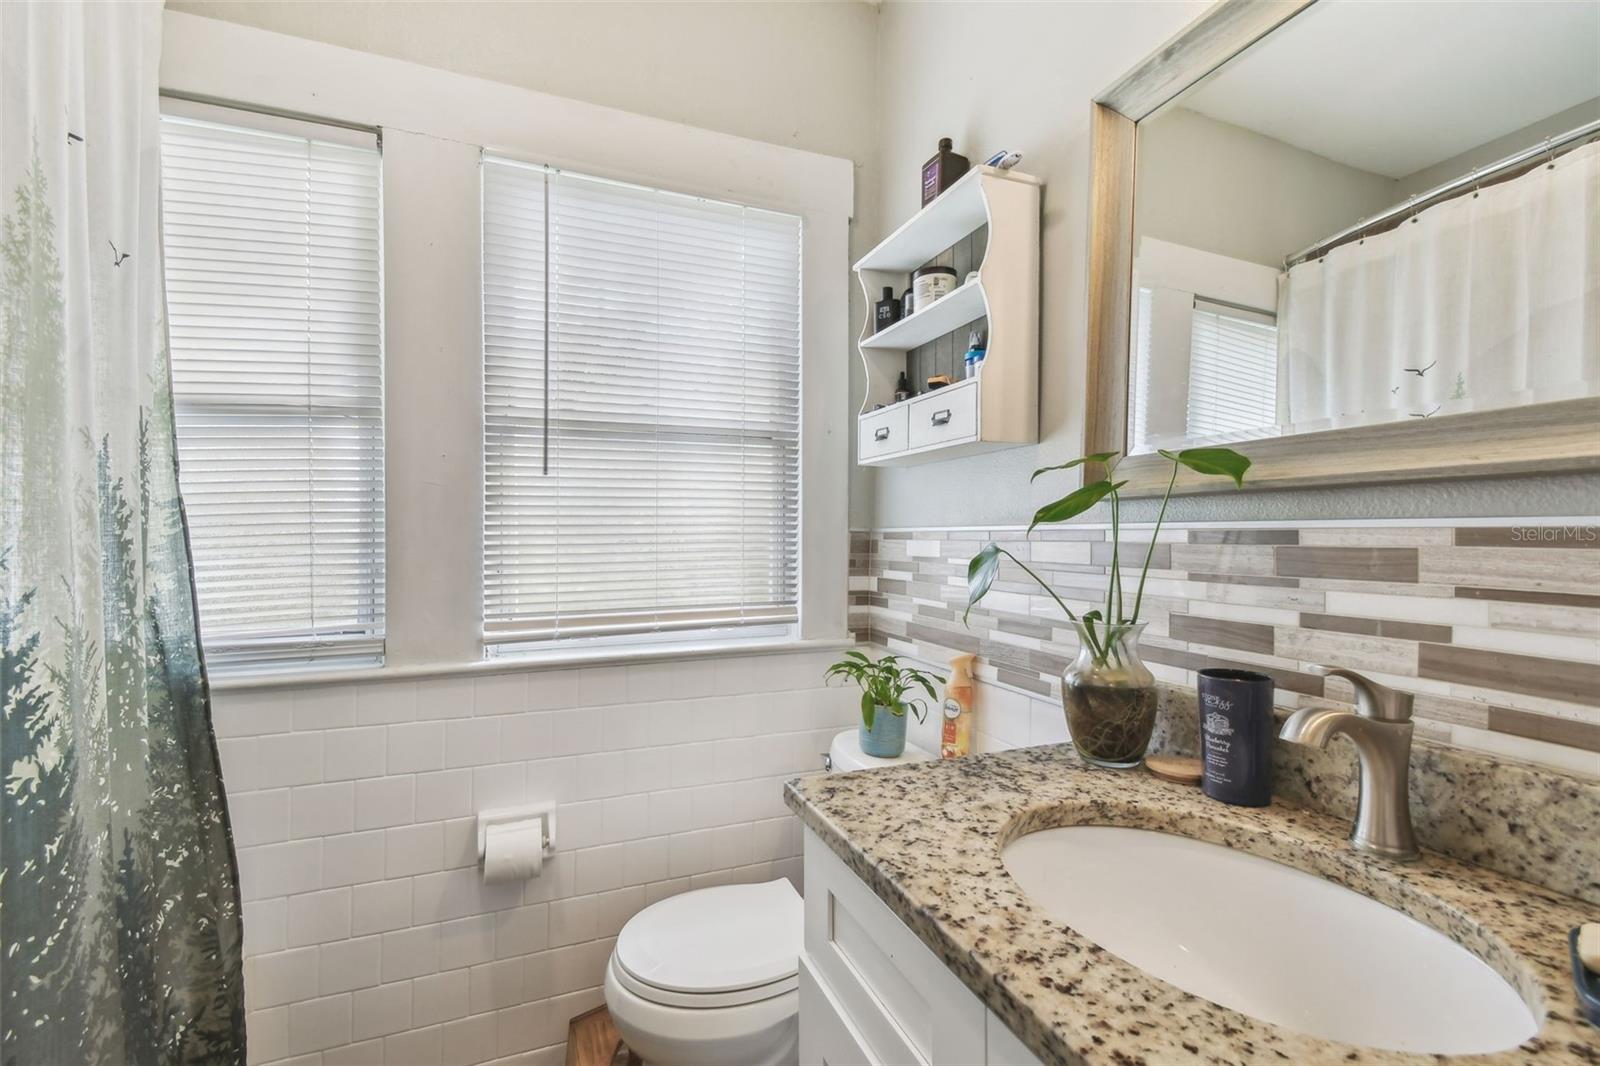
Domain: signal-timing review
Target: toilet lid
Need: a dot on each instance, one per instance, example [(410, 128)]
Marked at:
[(717, 939)]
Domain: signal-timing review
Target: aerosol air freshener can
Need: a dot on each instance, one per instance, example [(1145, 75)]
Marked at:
[(1236, 736), (956, 733)]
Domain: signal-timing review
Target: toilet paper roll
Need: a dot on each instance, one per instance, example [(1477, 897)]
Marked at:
[(513, 851)]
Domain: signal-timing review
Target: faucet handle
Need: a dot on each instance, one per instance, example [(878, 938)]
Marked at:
[(1373, 700)]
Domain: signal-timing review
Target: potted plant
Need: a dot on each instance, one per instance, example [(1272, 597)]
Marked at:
[(1108, 694), (884, 685)]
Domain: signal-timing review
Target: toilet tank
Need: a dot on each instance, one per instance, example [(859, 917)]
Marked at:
[(845, 754)]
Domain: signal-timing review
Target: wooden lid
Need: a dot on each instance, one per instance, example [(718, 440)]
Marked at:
[(1173, 768)]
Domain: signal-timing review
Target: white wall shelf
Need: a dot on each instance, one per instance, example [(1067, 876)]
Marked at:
[(963, 305), (957, 211), (998, 409)]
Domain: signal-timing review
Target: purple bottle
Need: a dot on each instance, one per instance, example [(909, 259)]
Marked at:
[(1236, 736)]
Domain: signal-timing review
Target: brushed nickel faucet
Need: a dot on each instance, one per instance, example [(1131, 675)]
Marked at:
[(1380, 728)]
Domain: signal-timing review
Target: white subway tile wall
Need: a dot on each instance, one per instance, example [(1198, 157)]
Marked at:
[(370, 936)]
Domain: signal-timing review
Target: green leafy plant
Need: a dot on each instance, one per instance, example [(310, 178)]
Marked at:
[(884, 684), (1103, 627)]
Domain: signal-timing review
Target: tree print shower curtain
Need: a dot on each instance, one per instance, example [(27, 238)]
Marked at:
[(119, 903)]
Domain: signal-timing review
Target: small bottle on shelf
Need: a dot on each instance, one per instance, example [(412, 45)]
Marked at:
[(886, 312), (941, 172), (975, 354), (902, 388)]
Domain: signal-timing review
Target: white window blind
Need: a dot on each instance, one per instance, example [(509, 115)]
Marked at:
[(1233, 371), (272, 243), (641, 410)]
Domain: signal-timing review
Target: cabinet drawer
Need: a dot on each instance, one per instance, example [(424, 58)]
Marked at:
[(882, 432), (946, 415)]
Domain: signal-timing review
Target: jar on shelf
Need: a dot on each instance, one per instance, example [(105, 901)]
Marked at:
[(931, 283)]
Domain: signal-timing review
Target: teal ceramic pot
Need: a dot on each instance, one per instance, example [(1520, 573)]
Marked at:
[(887, 737)]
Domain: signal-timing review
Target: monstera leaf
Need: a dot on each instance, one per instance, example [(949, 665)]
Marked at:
[(1100, 627), (1100, 457), (1074, 503), (1221, 462), (980, 575)]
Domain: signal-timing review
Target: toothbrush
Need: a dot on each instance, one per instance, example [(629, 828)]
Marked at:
[(1003, 160)]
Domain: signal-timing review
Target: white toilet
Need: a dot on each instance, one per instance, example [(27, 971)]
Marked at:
[(710, 977)]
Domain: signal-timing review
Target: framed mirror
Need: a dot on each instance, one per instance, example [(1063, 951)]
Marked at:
[(1350, 258)]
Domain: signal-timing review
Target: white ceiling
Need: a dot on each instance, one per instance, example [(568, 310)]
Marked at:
[(1394, 87)]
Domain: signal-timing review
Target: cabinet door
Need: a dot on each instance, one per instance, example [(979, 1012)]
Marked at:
[(905, 1005), (826, 1036)]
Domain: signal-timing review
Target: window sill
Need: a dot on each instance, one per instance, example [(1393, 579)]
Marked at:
[(531, 661)]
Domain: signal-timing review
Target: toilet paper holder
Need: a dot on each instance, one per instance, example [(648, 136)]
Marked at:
[(545, 812)]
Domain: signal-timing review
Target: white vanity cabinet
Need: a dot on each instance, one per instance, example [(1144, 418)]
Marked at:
[(871, 993)]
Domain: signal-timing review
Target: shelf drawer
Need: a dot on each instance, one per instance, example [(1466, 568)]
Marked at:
[(882, 432), (950, 414)]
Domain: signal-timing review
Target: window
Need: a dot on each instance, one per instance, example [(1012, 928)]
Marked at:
[(1204, 348), (1139, 418), (1233, 371), (641, 410), (271, 237)]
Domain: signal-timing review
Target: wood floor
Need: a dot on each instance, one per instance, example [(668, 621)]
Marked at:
[(593, 1041)]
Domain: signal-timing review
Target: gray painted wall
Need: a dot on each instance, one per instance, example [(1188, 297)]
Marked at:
[(1213, 185), (878, 86), (1497, 149)]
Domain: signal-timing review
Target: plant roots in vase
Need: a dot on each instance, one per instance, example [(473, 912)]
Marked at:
[(1110, 726), (1109, 696)]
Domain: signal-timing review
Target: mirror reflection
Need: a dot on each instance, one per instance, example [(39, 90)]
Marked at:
[(1339, 228)]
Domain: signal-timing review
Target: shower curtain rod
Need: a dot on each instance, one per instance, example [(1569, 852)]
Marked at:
[(1473, 178)]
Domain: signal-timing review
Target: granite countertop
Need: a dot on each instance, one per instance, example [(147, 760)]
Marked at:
[(926, 838)]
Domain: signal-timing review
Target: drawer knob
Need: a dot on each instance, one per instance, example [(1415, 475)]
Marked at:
[(881, 434), (941, 417)]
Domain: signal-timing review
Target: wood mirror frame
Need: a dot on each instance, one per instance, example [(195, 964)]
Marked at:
[(1538, 438)]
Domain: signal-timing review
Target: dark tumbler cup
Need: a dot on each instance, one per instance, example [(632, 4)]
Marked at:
[(1236, 736)]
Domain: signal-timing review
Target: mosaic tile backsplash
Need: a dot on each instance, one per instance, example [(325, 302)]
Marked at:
[(1496, 629)]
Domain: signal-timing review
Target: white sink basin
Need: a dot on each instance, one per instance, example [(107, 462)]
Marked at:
[(1269, 941)]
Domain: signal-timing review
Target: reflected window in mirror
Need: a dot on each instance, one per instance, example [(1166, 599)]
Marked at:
[(1205, 349)]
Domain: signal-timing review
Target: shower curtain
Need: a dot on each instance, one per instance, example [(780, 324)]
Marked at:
[(1487, 300), (119, 904)]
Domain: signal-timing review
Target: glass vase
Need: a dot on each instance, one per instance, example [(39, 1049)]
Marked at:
[(1109, 696)]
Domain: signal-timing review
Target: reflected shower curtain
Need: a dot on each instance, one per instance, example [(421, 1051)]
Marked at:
[(119, 906), (1487, 300)]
